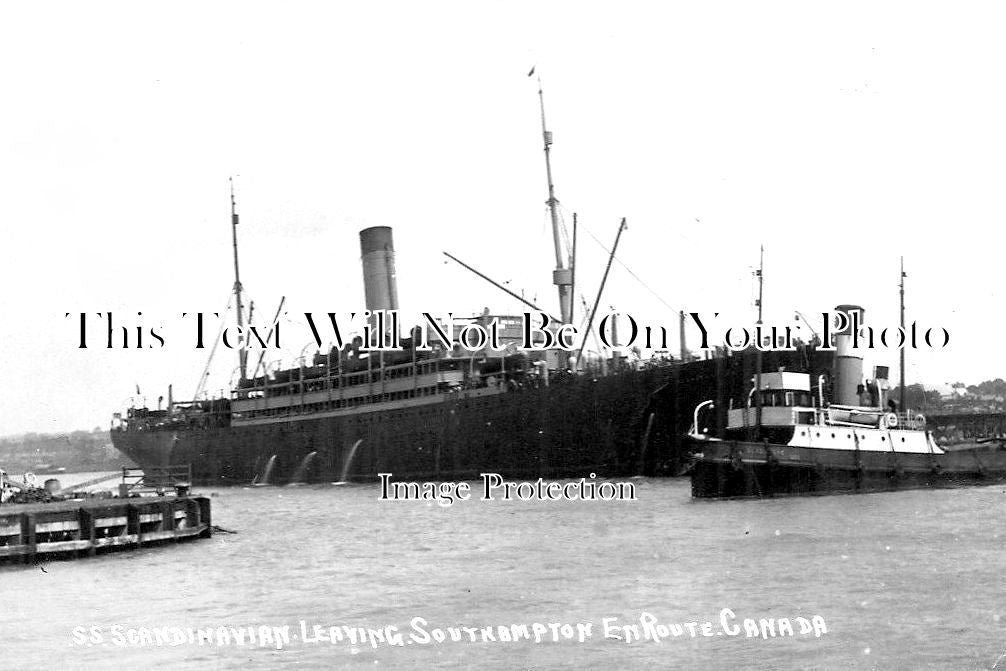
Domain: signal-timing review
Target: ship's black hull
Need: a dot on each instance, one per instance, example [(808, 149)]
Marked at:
[(566, 429), (754, 470)]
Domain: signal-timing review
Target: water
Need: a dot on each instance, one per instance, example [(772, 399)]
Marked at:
[(910, 580)]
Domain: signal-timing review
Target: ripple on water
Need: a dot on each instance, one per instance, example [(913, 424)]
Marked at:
[(904, 580)]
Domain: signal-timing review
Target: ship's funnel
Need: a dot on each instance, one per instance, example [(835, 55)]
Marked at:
[(379, 286), (848, 361)]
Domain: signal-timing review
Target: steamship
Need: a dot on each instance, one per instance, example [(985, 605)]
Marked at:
[(444, 414), (783, 438)]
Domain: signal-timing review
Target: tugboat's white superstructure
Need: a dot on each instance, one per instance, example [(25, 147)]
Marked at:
[(790, 417)]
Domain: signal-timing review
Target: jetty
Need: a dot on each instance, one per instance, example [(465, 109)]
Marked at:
[(85, 527)]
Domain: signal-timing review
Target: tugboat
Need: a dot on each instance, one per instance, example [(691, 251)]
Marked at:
[(784, 439)]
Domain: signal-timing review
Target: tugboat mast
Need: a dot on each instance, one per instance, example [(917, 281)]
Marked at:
[(902, 355), (562, 276), (242, 353)]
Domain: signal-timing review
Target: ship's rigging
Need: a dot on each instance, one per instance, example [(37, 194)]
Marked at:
[(236, 299), (564, 275)]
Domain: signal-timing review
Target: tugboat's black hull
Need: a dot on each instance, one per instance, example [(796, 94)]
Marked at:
[(756, 470)]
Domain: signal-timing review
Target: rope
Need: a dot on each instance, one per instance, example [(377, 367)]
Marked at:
[(206, 370), (629, 270)]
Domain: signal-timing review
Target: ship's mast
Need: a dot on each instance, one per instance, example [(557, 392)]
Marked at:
[(242, 353), (902, 356), (562, 275), (758, 362)]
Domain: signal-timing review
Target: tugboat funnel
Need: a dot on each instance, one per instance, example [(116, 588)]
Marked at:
[(848, 361)]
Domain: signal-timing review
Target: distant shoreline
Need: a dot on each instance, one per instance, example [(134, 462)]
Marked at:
[(75, 451)]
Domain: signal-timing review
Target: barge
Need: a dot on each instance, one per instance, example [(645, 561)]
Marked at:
[(83, 528), (37, 523)]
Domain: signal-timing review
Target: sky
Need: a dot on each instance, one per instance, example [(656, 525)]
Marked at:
[(840, 137)]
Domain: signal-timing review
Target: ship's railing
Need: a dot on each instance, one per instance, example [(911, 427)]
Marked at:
[(182, 415), (302, 381), (160, 479), (295, 396)]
